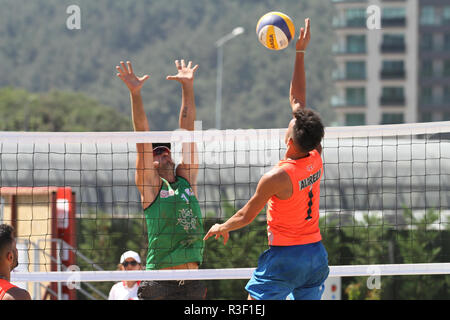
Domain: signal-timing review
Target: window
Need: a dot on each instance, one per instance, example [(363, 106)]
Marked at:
[(446, 116), (356, 96), (426, 117), (355, 119), (393, 69), (447, 93), (355, 70), (446, 72), (393, 38), (355, 17), (426, 95), (394, 17), (393, 43), (356, 44), (426, 42), (427, 16), (392, 118), (394, 13), (446, 15), (393, 96), (393, 65), (426, 69), (447, 42)]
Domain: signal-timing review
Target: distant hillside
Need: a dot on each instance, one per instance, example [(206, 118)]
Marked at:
[(38, 53)]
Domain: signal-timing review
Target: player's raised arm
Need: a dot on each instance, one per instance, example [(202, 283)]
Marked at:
[(188, 168), (147, 178), (297, 95)]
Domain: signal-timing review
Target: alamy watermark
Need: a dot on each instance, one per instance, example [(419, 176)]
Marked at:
[(373, 21), (73, 22), (374, 280), (73, 281)]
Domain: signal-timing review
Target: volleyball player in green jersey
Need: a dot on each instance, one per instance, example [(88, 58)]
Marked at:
[(168, 194)]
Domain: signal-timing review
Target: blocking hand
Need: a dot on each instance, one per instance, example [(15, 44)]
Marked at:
[(127, 75), (185, 73)]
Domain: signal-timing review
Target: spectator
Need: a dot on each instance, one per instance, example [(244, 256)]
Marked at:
[(127, 290)]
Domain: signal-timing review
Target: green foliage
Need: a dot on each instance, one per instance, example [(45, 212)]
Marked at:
[(40, 54), (56, 111), (241, 251), (373, 241)]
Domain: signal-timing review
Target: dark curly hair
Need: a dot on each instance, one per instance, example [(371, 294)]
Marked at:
[(308, 130), (6, 237)]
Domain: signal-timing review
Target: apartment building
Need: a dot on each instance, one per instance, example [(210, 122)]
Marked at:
[(399, 73), (434, 57)]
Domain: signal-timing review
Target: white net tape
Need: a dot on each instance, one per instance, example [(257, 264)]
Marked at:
[(224, 274)]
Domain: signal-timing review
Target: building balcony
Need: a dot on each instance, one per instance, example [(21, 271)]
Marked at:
[(392, 101), (438, 25), (359, 23), (339, 102), (434, 104), (393, 48), (348, 76), (393, 22), (392, 74), (435, 78), (347, 50), (435, 52)]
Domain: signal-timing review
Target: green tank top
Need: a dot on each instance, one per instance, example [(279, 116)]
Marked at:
[(174, 226)]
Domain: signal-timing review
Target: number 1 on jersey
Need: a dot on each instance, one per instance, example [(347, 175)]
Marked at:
[(310, 203)]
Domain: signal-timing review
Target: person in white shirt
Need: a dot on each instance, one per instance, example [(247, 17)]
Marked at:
[(127, 290)]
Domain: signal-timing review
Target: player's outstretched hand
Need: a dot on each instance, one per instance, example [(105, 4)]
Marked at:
[(185, 73), (127, 75), (305, 36), (216, 230)]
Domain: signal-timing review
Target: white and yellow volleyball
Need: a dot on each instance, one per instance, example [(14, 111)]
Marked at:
[(275, 30)]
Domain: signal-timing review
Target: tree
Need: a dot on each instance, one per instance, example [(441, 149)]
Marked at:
[(56, 111)]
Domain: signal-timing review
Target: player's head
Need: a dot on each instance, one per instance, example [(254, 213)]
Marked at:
[(8, 250), (130, 260), (305, 131), (163, 155)]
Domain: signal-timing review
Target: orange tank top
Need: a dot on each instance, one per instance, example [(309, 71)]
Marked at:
[(4, 287), (295, 221)]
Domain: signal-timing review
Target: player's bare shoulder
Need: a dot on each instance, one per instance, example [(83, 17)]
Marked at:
[(17, 294), (279, 181), (276, 175)]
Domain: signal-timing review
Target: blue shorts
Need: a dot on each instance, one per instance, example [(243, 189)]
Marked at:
[(295, 271)]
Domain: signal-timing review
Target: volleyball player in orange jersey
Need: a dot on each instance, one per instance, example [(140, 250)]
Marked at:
[(296, 263), (8, 261)]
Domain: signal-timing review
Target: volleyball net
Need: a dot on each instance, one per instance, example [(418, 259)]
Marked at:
[(72, 199)]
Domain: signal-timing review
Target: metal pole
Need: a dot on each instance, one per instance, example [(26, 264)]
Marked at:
[(219, 87), (59, 263), (219, 44)]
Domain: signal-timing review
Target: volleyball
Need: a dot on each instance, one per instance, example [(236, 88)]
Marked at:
[(275, 30)]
